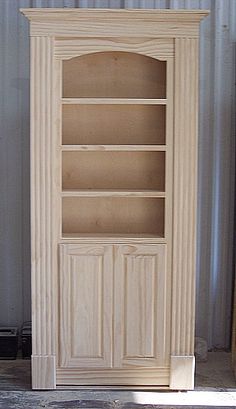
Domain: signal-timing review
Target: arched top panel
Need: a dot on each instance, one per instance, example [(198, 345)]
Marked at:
[(159, 48), (114, 74)]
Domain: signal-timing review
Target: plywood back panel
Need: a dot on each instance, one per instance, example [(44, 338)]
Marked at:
[(113, 215), (114, 74), (113, 124), (113, 170)]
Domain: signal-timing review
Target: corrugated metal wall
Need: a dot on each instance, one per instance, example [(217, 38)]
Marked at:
[(216, 159)]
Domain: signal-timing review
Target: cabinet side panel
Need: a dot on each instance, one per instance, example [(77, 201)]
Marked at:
[(43, 250), (185, 173)]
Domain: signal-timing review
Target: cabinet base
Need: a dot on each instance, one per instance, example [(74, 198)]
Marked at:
[(43, 372), (181, 376), (139, 377)]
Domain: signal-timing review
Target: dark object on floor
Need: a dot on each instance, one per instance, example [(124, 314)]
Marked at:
[(8, 342), (26, 337)]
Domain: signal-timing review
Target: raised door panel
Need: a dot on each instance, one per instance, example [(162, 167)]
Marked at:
[(140, 306), (85, 306)]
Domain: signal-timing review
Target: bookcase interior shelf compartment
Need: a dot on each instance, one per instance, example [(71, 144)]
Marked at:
[(113, 215), (113, 124), (113, 170), (113, 115), (114, 75)]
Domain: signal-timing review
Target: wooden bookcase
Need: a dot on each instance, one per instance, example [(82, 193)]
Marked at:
[(113, 196)]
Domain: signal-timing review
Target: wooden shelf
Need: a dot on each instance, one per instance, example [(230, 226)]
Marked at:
[(115, 101), (113, 148), (111, 238), (102, 235), (111, 193)]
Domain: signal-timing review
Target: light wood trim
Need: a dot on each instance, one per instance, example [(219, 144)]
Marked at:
[(43, 224), (169, 154), (111, 193), (43, 372), (156, 148), (169, 205), (109, 29), (66, 48), (114, 101), (111, 238), (114, 23), (117, 387), (182, 372), (132, 377), (185, 186), (57, 177), (72, 14)]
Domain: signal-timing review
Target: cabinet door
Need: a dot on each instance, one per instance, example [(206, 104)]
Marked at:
[(85, 306), (140, 315)]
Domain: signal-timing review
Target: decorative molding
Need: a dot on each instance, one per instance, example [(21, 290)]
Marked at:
[(43, 243), (139, 376), (77, 14), (156, 48), (103, 29), (43, 372), (182, 372), (113, 23), (185, 186)]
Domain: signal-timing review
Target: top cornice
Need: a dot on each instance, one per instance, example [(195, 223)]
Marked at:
[(76, 22), (74, 14)]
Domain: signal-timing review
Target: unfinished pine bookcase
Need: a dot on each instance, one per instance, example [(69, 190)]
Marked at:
[(113, 196)]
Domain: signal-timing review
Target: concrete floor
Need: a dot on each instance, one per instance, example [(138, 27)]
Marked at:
[(215, 387)]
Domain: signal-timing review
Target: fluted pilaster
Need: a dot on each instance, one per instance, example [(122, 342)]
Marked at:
[(42, 214), (185, 174)]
